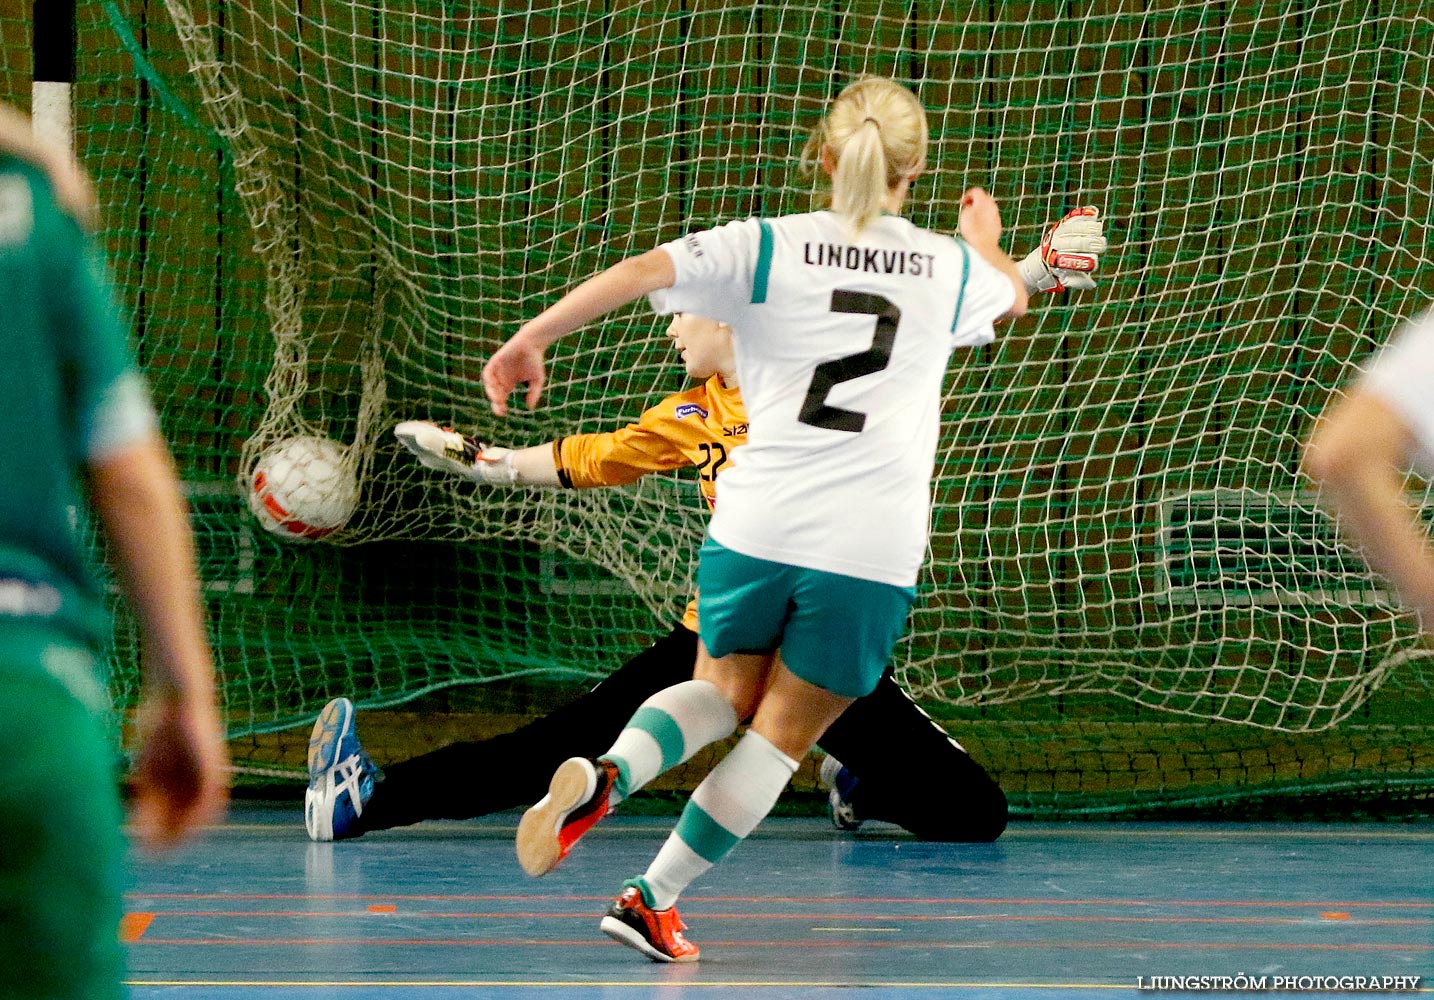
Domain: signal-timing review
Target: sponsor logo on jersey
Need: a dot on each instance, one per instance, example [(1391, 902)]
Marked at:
[(734, 431), (688, 409), (694, 245)]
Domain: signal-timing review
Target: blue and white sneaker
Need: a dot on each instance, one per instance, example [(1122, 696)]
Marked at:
[(341, 777), (840, 782)]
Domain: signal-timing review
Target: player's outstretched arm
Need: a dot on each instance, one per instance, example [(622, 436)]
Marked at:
[(520, 360), (180, 772), (1357, 455), (448, 451), (981, 229), (71, 186), (1068, 255)]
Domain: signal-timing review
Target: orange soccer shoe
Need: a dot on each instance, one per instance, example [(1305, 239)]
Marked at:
[(577, 798), (655, 933)]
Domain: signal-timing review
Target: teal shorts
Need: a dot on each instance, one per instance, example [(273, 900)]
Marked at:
[(834, 631), (62, 864)]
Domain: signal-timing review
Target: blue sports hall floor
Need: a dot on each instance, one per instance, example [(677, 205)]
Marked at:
[(441, 910)]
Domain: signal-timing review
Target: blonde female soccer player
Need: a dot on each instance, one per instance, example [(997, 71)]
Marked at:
[(844, 322)]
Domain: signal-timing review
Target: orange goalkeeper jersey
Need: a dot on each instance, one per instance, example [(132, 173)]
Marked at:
[(698, 427)]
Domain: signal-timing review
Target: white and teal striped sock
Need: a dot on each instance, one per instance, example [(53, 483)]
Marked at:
[(727, 806), (669, 728)]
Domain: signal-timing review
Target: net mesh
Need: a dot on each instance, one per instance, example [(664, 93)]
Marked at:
[(326, 214)]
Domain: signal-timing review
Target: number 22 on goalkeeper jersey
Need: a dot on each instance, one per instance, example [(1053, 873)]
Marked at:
[(841, 346)]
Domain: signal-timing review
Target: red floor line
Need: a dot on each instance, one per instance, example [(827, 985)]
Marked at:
[(880, 900), (371, 912), (829, 900), (366, 942)]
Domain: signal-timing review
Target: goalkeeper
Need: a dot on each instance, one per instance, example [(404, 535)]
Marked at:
[(867, 778)]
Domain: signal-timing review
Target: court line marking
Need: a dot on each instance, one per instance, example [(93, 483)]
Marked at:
[(634, 983), (887, 832), (648, 984), (987, 945), (1342, 833), (411, 915), (829, 900)]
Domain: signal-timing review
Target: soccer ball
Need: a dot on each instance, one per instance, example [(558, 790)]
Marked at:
[(302, 488)]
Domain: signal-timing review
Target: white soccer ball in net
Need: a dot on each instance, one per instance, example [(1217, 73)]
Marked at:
[(303, 488)]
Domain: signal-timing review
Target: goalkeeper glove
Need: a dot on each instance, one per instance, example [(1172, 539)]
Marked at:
[(1068, 255), (448, 451)]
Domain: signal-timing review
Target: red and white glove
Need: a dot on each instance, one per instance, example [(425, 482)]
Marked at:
[(448, 451), (1068, 255)]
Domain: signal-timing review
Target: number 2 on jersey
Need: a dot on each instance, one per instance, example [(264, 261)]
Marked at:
[(828, 374)]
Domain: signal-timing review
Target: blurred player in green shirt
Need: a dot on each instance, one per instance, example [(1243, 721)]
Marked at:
[(82, 437)]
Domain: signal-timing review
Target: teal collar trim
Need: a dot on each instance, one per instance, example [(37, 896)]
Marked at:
[(764, 263), (965, 274)]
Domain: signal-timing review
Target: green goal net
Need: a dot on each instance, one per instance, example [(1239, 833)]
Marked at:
[(325, 214)]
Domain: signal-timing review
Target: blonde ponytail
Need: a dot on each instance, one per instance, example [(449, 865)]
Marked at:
[(859, 180), (875, 134)]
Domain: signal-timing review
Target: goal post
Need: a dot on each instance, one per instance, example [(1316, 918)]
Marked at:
[(54, 69), (325, 217)]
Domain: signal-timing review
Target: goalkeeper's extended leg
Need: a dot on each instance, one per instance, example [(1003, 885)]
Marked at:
[(431, 786), (341, 776), (906, 769)]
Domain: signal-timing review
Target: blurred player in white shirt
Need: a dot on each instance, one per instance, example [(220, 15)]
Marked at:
[(1361, 449)]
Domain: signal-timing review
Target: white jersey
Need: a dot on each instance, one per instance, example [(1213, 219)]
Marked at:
[(841, 348), (1402, 375)]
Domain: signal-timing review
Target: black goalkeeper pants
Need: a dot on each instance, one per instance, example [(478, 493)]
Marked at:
[(908, 770)]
